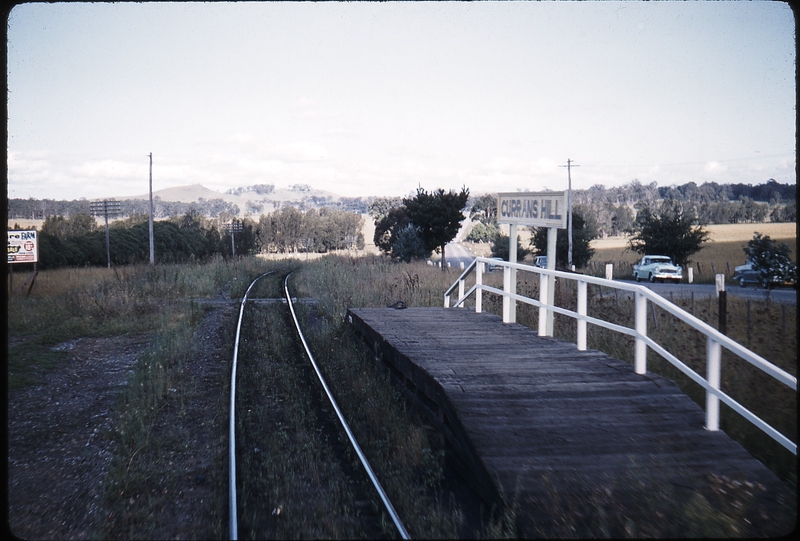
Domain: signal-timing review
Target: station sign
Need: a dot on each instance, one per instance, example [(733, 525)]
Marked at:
[(23, 247), (535, 209)]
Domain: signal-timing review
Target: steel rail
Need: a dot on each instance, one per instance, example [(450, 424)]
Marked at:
[(364, 462), (234, 525)]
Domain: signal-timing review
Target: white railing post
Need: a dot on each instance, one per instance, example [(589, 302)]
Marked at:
[(581, 341), (640, 353), (609, 271), (447, 301), (543, 281), (552, 236), (461, 292), (512, 258), (690, 272), (478, 290), (507, 305), (713, 369)]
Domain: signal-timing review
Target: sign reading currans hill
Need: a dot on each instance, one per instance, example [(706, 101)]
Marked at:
[(22, 247), (538, 209)]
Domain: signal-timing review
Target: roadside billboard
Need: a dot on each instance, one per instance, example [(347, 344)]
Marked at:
[(23, 247)]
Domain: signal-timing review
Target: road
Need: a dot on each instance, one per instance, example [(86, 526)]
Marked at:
[(456, 254)]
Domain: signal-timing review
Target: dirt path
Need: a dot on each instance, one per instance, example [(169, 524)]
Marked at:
[(59, 450)]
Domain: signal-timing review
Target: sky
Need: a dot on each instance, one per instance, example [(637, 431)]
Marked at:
[(378, 99)]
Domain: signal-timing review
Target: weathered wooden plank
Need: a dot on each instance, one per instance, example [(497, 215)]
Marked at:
[(518, 407)]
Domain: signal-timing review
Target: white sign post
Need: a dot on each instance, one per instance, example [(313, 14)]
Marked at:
[(532, 209)]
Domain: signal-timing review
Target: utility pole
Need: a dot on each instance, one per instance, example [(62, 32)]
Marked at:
[(234, 226), (152, 248), (105, 208), (569, 211)]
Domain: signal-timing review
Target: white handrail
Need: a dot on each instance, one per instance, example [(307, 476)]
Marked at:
[(715, 340)]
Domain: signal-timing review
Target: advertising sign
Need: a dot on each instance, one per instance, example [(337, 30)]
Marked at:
[(23, 247), (537, 209)]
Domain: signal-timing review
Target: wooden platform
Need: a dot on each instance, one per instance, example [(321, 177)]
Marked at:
[(523, 414)]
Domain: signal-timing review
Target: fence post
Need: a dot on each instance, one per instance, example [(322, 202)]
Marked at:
[(640, 352), (609, 271), (690, 270), (461, 292), (478, 290), (447, 301), (581, 342), (542, 299), (723, 303), (713, 362)]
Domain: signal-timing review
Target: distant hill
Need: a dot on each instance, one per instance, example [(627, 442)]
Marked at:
[(178, 200), (274, 199)]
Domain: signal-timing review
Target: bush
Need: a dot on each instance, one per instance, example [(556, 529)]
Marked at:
[(408, 245)]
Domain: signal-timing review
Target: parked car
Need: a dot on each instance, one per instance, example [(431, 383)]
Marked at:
[(490, 267), (540, 261), (657, 268), (746, 274)]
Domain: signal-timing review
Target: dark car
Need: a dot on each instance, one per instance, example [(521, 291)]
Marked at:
[(746, 274)]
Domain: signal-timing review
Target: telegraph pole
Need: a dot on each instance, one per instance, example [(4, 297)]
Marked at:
[(234, 226), (152, 248), (106, 208), (569, 210)]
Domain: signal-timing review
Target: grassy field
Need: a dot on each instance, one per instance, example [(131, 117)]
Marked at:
[(72, 303), (718, 256)]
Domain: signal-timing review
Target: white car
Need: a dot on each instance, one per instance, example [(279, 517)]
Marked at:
[(657, 268)]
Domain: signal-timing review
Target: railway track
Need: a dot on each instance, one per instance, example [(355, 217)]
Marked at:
[(295, 466)]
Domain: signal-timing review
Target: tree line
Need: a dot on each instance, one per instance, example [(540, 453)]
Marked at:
[(40, 209), (77, 240), (615, 208)]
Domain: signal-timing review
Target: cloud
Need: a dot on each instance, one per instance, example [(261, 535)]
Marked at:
[(714, 167), (110, 169), (298, 152)]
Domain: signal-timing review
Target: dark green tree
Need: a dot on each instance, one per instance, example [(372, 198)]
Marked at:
[(438, 217), (668, 231), (500, 248), (73, 226), (583, 232), (771, 260), (387, 228), (408, 245)]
